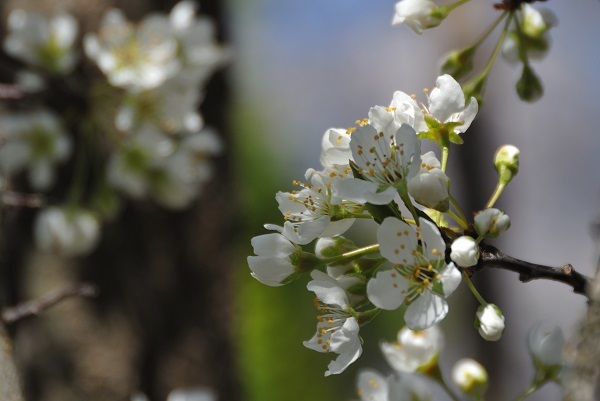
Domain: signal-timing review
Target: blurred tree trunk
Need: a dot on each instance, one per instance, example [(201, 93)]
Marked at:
[(163, 319)]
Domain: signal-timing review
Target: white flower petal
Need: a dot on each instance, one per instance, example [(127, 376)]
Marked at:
[(446, 99), (425, 311), (434, 246), (386, 289), (397, 241), (362, 191), (271, 271), (274, 245), (327, 289), (450, 277), (371, 386)]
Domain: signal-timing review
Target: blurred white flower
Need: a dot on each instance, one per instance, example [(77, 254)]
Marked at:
[(199, 53), (34, 142), (187, 170), (41, 41), (134, 57), (534, 36), (135, 167), (415, 350), (172, 107), (192, 394), (546, 348), (66, 231), (371, 386), (183, 394), (470, 377), (490, 322), (172, 171)]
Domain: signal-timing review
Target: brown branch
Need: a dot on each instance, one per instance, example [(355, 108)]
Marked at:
[(36, 306), (491, 257)]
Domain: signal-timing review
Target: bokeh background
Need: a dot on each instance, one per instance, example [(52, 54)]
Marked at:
[(299, 68)]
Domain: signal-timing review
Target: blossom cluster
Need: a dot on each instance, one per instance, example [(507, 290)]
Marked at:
[(414, 360), (376, 171), (140, 131)]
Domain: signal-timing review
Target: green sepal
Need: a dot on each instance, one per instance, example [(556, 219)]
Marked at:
[(432, 122), (455, 138), (432, 135), (357, 289)]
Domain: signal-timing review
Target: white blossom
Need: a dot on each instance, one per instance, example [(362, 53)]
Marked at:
[(41, 41), (464, 251), (416, 14), (420, 277), (490, 322), (430, 186), (447, 104), (273, 263), (337, 328), (315, 211), (135, 168), (385, 155), (415, 350), (199, 54), (66, 231), (335, 147), (172, 107), (35, 142), (134, 57)]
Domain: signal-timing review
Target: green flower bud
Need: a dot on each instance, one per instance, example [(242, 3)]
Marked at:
[(459, 63), (506, 161), (529, 86)]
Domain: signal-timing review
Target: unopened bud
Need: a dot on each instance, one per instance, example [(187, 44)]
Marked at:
[(459, 63), (330, 247), (470, 377), (506, 161), (491, 222), (490, 322), (464, 251), (529, 86)]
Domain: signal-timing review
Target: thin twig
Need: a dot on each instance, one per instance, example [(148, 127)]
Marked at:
[(491, 257), (36, 306), (17, 199), (11, 91)]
